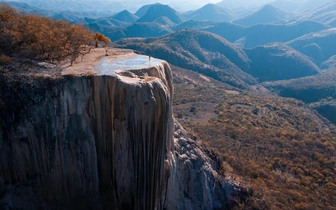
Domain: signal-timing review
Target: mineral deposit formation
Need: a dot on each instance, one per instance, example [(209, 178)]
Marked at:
[(102, 136)]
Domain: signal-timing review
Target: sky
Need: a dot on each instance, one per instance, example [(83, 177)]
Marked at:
[(134, 5), (185, 5), (193, 4), (177, 4), (172, 1)]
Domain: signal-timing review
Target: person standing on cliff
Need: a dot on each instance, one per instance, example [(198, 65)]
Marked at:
[(149, 56)]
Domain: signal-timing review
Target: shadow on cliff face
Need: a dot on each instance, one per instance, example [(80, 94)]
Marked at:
[(20, 88)]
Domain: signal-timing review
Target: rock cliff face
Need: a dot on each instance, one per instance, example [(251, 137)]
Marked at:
[(194, 182), (105, 141)]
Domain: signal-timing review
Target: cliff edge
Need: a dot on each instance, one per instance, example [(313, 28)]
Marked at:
[(101, 136)]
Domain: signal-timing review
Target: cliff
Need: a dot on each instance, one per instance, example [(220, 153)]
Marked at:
[(102, 137)]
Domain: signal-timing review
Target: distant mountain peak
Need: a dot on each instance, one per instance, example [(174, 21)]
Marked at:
[(210, 5), (143, 10), (267, 14), (210, 12), (271, 8), (125, 16), (159, 10), (124, 12)]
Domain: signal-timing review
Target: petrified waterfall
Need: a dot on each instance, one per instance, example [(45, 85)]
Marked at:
[(102, 139)]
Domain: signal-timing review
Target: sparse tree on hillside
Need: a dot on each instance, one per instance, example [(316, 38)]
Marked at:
[(78, 38)]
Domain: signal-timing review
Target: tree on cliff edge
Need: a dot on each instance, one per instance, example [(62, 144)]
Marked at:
[(41, 38), (101, 38)]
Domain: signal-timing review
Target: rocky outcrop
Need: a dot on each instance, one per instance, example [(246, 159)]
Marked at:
[(105, 141), (194, 183)]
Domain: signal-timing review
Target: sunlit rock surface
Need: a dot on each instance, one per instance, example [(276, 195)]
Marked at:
[(103, 138)]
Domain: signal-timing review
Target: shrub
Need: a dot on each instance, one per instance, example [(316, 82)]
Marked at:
[(4, 60), (192, 109)]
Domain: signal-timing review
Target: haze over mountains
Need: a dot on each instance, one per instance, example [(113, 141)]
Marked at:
[(297, 6), (303, 31), (203, 52), (266, 14)]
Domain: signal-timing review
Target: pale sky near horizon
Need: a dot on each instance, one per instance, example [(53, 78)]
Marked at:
[(179, 5), (171, 1), (195, 2), (187, 3)]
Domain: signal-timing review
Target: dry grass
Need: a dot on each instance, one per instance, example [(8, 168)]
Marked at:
[(281, 149)]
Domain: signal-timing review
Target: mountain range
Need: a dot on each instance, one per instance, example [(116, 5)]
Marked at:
[(319, 46), (216, 57), (278, 61), (268, 13), (325, 14), (201, 51), (305, 39), (248, 37)]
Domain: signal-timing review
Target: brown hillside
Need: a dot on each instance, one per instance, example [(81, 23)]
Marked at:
[(281, 149)]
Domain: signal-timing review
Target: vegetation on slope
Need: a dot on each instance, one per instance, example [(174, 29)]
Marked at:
[(281, 149), (41, 38), (327, 108), (308, 89), (200, 51), (320, 46), (319, 91), (278, 61)]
